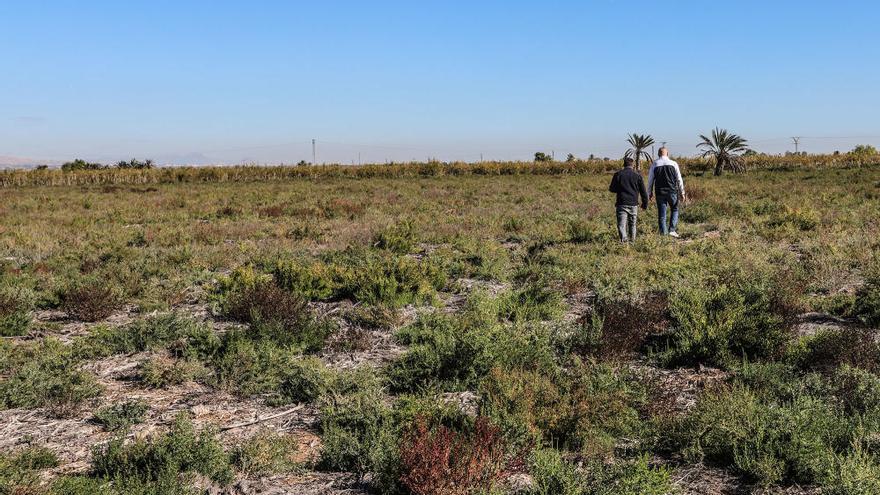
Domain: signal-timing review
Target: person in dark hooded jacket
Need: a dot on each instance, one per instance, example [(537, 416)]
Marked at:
[(630, 187)]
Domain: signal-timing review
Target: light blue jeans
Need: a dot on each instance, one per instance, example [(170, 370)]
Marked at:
[(670, 201)]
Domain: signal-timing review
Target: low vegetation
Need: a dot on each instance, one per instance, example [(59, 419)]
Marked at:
[(442, 328)]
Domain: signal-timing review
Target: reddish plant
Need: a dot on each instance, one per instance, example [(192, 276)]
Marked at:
[(267, 302), (92, 301), (273, 211), (830, 349), (442, 461), (627, 325)]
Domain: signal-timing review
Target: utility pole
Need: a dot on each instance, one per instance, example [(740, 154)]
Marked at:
[(796, 140), (314, 154), (359, 157)]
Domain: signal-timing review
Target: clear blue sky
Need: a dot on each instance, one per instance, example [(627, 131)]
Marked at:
[(398, 80)]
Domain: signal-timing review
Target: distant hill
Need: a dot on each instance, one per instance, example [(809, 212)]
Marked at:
[(20, 162), (161, 160)]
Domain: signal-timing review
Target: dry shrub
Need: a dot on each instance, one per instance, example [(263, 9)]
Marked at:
[(374, 317), (228, 212), (15, 311), (265, 301), (273, 211), (277, 315), (628, 324), (339, 207), (90, 301), (452, 463), (332, 208), (695, 194), (857, 347), (90, 264), (351, 339)]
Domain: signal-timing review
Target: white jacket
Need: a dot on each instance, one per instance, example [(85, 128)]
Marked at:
[(666, 178)]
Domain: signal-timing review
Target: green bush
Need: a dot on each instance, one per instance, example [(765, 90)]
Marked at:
[(798, 218), (19, 470), (553, 475), (582, 232), (84, 485), (264, 454), (442, 352), (312, 280), (184, 337), (855, 473), (358, 430), (373, 317), (792, 429), (626, 477), (370, 276), (151, 466), (534, 301), (584, 409), (16, 305), (386, 279), (480, 259), (454, 352), (399, 238), (276, 315), (732, 316), (857, 392), (249, 367), (162, 372), (46, 375), (263, 367), (867, 304), (735, 429), (828, 349), (121, 415), (306, 380)]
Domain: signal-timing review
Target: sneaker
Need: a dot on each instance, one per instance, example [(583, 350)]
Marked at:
[(674, 234)]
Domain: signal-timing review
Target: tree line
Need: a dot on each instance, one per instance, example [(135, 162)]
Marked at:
[(724, 149), (80, 164)]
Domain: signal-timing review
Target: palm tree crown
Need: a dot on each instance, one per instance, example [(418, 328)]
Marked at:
[(638, 144), (726, 149)]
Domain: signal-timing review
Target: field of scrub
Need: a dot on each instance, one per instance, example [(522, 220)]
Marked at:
[(440, 335)]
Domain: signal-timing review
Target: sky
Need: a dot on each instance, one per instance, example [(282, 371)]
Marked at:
[(242, 82)]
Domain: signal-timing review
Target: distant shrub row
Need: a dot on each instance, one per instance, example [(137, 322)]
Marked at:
[(80, 164), (80, 173)]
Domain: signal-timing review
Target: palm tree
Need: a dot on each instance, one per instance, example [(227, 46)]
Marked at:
[(639, 143), (726, 148)]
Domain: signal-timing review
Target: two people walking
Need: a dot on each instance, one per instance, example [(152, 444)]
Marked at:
[(664, 183)]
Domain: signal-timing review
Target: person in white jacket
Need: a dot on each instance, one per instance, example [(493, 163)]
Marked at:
[(664, 180)]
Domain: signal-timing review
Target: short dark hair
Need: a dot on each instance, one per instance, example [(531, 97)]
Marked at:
[(628, 162)]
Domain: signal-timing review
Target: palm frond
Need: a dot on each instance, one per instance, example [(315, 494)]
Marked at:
[(725, 148)]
